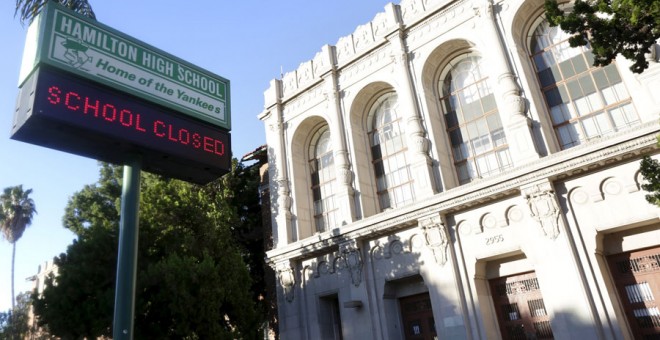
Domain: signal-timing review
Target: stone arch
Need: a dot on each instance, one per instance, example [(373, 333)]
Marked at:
[(300, 175), (308, 273), (434, 64), (578, 195), (487, 221), (465, 228), (513, 214), (522, 26), (364, 174), (610, 186), (637, 180)]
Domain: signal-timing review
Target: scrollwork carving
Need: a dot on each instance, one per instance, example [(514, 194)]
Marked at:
[(352, 258), (544, 209), (436, 237), (287, 280)]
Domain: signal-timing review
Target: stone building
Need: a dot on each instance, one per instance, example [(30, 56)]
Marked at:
[(454, 170), (44, 270)]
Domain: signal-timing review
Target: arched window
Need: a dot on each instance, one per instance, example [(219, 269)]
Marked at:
[(322, 169), (388, 153), (584, 101), (474, 127)]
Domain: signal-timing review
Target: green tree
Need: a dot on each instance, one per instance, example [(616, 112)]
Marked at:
[(14, 323), (15, 216), (28, 9), (611, 27), (192, 281), (650, 169)]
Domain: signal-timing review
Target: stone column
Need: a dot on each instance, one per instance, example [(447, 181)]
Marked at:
[(553, 254), (418, 144), (441, 276), (280, 193), (344, 195), (511, 105)]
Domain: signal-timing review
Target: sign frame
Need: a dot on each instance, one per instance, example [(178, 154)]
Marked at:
[(61, 111), (73, 43)]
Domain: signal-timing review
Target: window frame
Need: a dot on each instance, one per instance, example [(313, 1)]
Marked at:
[(326, 218), (394, 181), (488, 154)]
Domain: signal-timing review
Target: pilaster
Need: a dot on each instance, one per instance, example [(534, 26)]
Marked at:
[(279, 181), (552, 252), (443, 280), (512, 106), (344, 195), (418, 144)]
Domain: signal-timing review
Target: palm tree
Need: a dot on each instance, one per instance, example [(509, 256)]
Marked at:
[(16, 212), (30, 8)]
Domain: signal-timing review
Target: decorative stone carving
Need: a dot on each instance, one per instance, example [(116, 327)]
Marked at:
[(420, 144), (488, 221), (514, 214), (394, 246), (436, 237), (544, 209), (287, 280), (353, 261), (283, 196)]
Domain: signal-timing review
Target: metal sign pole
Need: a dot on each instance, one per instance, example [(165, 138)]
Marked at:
[(127, 257)]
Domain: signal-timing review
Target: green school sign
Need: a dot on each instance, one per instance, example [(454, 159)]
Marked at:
[(78, 45)]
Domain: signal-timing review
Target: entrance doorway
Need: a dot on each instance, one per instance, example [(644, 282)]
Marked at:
[(417, 317), (636, 276), (520, 309)]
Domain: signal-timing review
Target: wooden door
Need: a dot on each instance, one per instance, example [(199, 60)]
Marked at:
[(417, 316)]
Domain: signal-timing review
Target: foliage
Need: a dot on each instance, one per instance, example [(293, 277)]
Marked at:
[(16, 212), (650, 169), (192, 281), (29, 9), (611, 27), (14, 322)]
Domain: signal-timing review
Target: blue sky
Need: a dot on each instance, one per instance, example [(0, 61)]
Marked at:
[(248, 42)]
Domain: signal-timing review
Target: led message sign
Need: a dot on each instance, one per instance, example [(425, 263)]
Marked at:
[(73, 43), (63, 112)]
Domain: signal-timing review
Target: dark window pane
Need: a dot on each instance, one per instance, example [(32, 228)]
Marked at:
[(452, 120), (379, 169), (553, 97), (376, 152), (547, 78), (456, 138)]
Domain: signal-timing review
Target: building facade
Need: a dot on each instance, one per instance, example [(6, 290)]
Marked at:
[(454, 170)]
